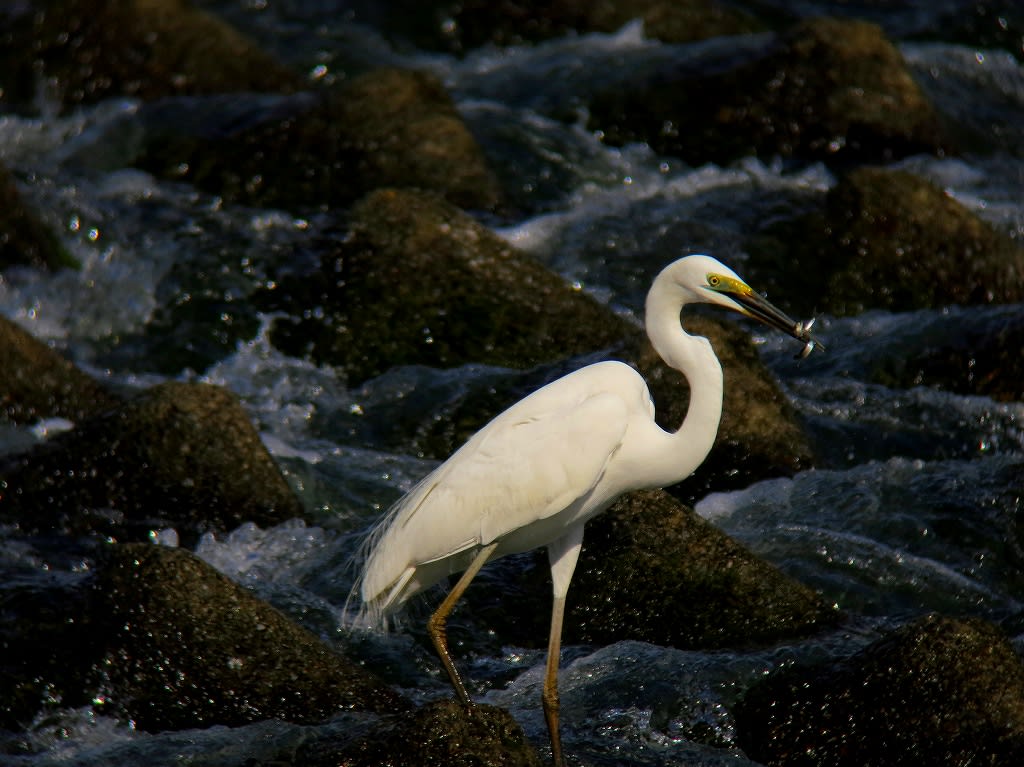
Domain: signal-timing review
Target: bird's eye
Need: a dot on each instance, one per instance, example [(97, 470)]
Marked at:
[(713, 280)]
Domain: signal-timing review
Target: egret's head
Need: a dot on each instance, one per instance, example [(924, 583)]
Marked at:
[(707, 280)]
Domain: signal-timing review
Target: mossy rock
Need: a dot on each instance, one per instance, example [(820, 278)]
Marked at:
[(888, 239), (387, 127), (419, 282), (829, 90), (651, 570), (439, 733), (84, 51), (180, 455), (25, 240), (939, 691), (183, 646), (37, 382)]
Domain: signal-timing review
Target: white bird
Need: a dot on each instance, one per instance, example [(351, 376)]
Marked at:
[(535, 474)]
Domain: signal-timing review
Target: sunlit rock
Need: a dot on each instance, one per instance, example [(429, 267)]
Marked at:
[(37, 382), (180, 455), (938, 691), (445, 732), (888, 239), (77, 52), (387, 127), (829, 89), (182, 646)]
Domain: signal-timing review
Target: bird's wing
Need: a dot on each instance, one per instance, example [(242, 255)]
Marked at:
[(525, 466)]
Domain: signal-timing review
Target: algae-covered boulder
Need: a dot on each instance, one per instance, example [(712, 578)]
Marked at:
[(651, 570), (180, 455), (888, 239), (183, 646), (442, 733), (939, 691), (655, 571), (417, 281), (83, 51), (25, 240), (386, 127), (830, 89), (37, 382)]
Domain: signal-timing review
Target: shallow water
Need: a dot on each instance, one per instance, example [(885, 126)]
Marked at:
[(908, 511)]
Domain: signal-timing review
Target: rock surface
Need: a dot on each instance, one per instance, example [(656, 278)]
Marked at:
[(849, 85), (180, 455), (386, 127), (183, 646), (938, 691), (887, 239), (37, 382), (84, 51)]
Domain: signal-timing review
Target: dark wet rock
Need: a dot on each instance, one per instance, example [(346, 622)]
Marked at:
[(37, 382), (180, 455), (24, 239), (83, 51), (655, 571), (184, 646), (387, 127), (441, 733), (887, 239), (45, 648), (651, 570), (939, 691), (972, 354), (830, 90), (461, 26), (417, 281)]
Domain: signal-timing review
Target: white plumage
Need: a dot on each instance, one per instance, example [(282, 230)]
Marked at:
[(536, 473)]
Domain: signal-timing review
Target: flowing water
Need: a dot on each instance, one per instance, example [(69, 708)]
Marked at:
[(914, 506)]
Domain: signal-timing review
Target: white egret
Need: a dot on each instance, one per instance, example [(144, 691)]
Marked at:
[(535, 474)]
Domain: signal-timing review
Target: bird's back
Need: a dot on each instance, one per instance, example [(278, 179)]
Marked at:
[(521, 480)]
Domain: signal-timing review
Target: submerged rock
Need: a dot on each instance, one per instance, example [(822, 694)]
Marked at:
[(939, 691), (829, 90), (83, 51), (387, 127), (37, 382), (442, 733), (180, 455), (25, 240), (887, 239), (183, 646)]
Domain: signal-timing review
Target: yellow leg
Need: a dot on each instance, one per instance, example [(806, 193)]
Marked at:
[(562, 554), (549, 696), (436, 624)]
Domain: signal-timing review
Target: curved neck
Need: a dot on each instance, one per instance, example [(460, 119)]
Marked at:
[(695, 359)]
